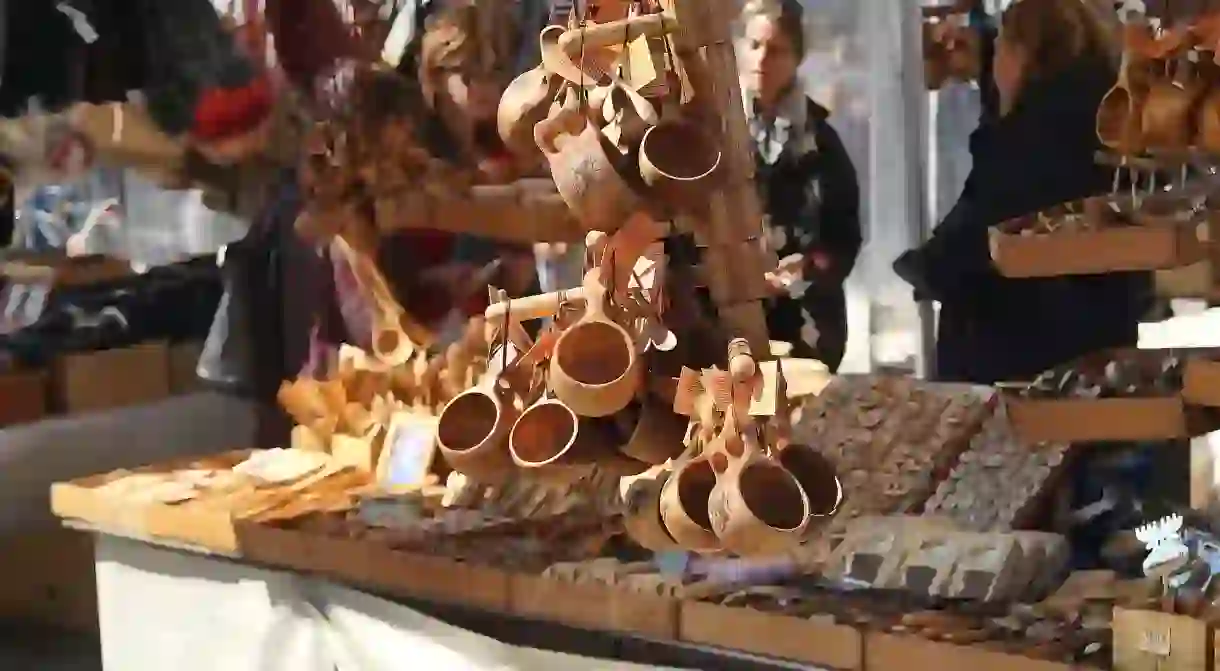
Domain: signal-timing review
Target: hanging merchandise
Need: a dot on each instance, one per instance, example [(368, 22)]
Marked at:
[(200, 84), (952, 45)]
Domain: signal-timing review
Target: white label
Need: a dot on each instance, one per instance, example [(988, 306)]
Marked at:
[(1155, 643)]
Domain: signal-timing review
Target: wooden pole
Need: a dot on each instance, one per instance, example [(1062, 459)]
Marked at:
[(734, 258)]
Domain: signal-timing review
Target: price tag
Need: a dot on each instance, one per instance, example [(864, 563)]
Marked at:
[(410, 447)]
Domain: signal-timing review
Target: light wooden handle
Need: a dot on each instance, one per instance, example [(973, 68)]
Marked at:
[(534, 307), (742, 366), (614, 33)]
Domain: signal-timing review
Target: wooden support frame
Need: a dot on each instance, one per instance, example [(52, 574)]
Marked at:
[(705, 31)]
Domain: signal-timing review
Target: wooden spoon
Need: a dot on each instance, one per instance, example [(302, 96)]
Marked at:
[(1118, 116)]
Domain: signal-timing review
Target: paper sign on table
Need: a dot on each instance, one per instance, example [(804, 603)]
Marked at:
[(410, 447)]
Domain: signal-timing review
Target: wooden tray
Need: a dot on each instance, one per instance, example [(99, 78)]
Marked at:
[(1106, 250), (1097, 420), (208, 521), (84, 499)]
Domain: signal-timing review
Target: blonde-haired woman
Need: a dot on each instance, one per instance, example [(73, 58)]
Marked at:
[(807, 185), (1053, 63)]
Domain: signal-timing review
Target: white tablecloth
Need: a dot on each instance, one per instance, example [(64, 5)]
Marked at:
[(162, 610)]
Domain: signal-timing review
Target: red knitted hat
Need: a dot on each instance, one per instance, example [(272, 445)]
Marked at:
[(226, 112)]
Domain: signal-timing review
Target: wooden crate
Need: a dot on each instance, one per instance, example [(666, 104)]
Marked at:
[(892, 652), (1150, 641), (595, 607), (810, 640), (23, 397), (49, 580), (114, 378)]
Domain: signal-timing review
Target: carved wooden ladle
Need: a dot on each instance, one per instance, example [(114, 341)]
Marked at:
[(1120, 114)]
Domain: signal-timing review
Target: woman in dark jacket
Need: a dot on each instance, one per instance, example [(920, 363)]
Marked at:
[(807, 185), (1052, 66)]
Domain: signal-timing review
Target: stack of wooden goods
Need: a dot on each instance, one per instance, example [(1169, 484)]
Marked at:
[(943, 567)]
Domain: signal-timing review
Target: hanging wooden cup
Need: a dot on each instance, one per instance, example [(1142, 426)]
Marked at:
[(553, 443), (588, 72), (657, 435), (642, 521), (935, 56), (595, 112), (757, 507), (818, 478), (523, 105), (565, 119), (684, 505), (1209, 123), (586, 177), (679, 164), (473, 428), (577, 54), (628, 116), (963, 53), (1170, 113), (595, 368)]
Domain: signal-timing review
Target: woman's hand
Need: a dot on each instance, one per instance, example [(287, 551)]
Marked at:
[(789, 277)]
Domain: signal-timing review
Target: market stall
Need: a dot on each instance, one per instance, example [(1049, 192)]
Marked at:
[(654, 479)]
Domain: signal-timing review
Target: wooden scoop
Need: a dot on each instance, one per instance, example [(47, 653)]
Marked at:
[(1119, 119)]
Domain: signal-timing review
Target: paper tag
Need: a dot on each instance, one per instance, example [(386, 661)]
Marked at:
[(411, 448)]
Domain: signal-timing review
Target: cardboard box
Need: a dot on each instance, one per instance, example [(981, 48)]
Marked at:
[(66, 271), (49, 580), (1150, 641), (113, 378), (815, 641), (891, 652), (593, 606), (23, 397)]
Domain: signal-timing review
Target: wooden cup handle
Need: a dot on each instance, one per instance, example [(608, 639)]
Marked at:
[(614, 33), (535, 307)]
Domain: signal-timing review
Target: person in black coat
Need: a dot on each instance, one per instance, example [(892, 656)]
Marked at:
[(1052, 66), (807, 188)]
